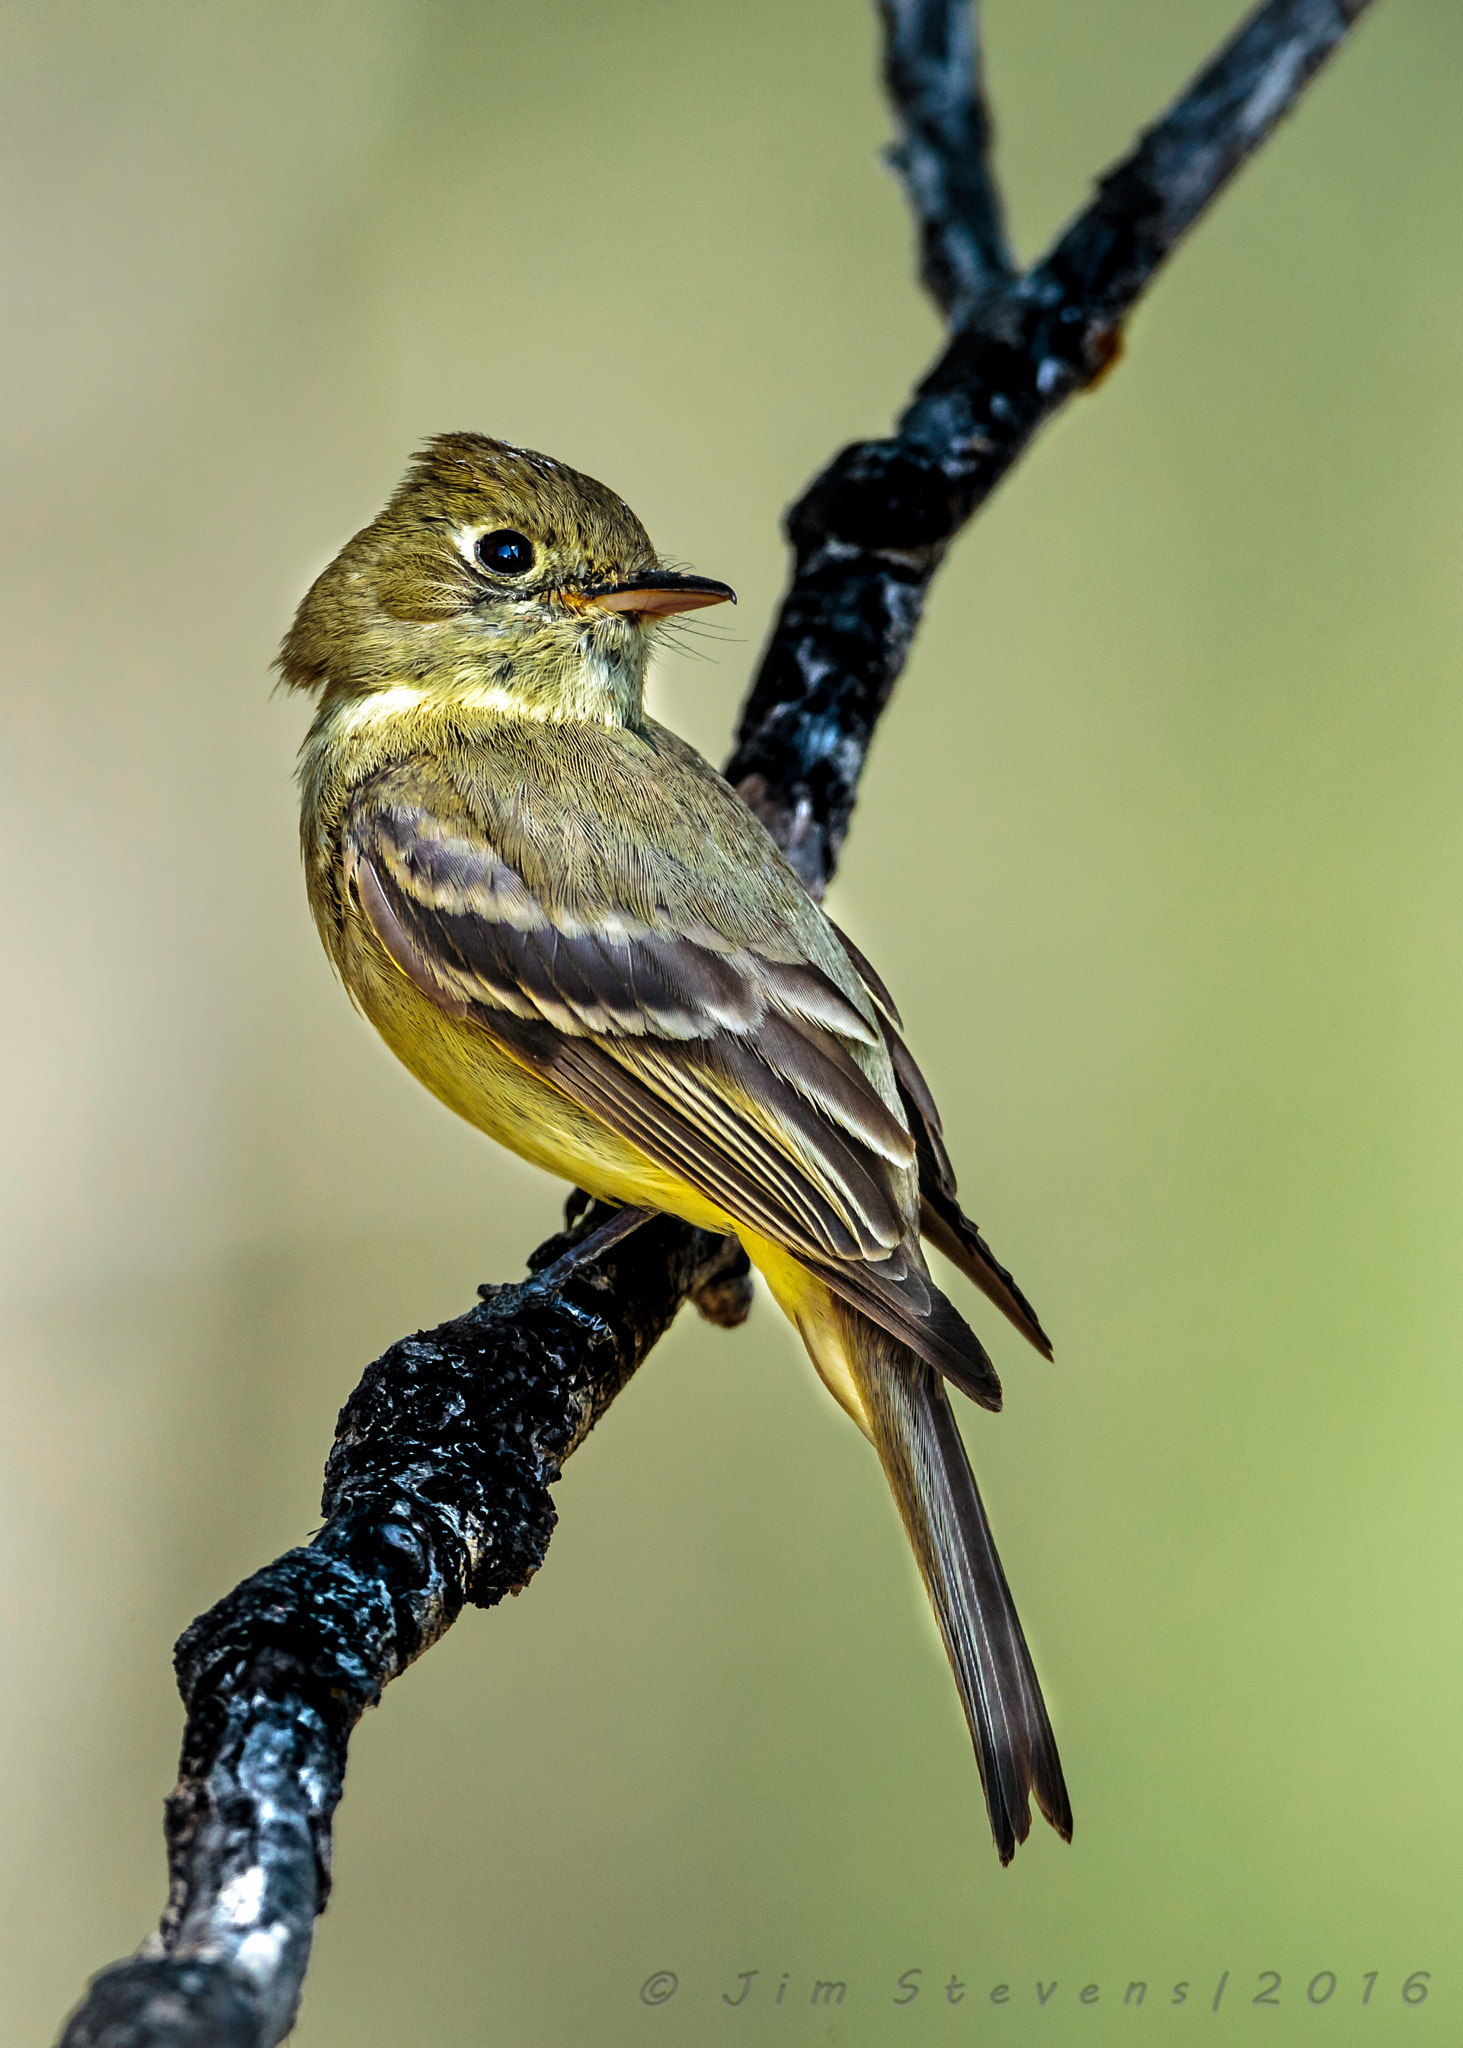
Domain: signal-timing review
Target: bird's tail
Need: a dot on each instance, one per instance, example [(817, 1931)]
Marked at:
[(924, 1458)]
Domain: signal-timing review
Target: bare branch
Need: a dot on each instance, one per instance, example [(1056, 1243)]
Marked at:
[(436, 1497), (932, 71), (870, 532), (436, 1492)]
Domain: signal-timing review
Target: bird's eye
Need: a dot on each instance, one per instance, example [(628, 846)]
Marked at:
[(505, 552)]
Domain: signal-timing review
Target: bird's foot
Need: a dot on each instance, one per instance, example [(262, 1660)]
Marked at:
[(607, 1227)]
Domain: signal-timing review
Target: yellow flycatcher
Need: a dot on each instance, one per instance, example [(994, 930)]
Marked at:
[(574, 932)]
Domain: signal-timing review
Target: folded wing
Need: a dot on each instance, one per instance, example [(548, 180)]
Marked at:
[(753, 1079)]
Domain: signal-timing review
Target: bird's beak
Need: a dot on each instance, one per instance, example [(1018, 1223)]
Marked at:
[(658, 593)]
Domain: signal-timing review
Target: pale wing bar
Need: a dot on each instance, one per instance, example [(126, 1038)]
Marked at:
[(778, 1088)]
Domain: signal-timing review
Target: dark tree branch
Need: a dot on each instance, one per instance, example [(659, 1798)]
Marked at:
[(871, 531), (436, 1492), (436, 1497), (932, 72)]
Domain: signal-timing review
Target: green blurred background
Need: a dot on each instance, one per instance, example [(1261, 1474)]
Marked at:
[(1159, 848)]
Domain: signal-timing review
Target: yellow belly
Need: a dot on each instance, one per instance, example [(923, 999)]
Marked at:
[(486, 1086)]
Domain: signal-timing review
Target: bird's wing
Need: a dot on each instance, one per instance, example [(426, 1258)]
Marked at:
[(941, 1219), (738, 1073)]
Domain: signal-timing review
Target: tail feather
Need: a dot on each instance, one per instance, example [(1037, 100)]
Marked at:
[(924, 1458)]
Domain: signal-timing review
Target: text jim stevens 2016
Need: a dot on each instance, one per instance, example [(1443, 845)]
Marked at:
[(1326, 1987)]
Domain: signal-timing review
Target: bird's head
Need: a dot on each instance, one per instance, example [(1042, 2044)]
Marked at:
[(497, 577)]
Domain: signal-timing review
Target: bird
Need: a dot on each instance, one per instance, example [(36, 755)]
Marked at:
[(572, 929)]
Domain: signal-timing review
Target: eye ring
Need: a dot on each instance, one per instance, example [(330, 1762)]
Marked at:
[(505, 552)]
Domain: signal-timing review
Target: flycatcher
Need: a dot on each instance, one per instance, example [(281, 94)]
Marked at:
[(570, 927)]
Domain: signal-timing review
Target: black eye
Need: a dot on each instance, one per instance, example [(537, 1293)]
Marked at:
[(505, 552)]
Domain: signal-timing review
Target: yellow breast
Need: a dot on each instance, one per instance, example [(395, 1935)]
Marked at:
[(474, 1076)]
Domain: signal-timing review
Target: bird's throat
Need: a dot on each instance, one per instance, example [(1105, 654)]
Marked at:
[(583, 684), (611, 683)]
